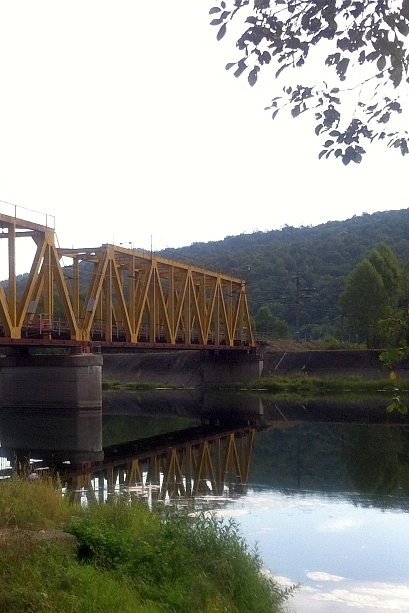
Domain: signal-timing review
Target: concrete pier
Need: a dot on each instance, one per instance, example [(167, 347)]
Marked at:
[(50, 381)]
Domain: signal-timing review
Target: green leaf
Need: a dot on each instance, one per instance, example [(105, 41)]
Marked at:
[(385, 118), (381, 63), (252, 77), (296, 111), (403, 28), (221, 32), (241, 67)]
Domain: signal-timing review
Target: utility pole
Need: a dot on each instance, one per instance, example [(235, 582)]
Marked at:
[(299, 297)]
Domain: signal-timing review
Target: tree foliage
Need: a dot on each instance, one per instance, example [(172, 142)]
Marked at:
[(362, 45), (364, 300), (269, 326), (372, 291)]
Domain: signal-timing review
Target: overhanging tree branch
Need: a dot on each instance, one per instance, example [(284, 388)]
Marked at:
[(364, 35)]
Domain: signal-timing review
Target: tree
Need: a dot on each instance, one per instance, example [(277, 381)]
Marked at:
[(364, 301), (362, 40), (385, 262), (270, 326)]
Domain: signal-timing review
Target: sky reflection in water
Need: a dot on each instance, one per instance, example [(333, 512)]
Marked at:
[(344, 555)]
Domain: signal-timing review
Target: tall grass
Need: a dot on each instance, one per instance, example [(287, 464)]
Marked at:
[(33, 505), (125, 558)]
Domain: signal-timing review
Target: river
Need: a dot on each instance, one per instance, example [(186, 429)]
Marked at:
[(320, 488)]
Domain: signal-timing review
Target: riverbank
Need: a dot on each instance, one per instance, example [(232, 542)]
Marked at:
[(183, 368), (122, 557)]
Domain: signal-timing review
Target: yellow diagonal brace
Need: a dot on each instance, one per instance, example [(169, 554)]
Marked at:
[(31, 282), (5, 315), (65, 298)]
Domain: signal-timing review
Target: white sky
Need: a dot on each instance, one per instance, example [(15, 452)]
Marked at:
[(119, 119)]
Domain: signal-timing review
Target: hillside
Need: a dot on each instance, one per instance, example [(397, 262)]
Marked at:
[(321, 256)]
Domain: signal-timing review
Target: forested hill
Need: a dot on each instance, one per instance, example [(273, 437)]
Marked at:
[(322, 255)]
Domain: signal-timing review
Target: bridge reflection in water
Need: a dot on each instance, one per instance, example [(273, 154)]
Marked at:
[(209, 458), (202, 461)]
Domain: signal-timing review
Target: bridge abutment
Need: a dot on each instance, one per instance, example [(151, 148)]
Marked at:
[(230, 366), (50, 381)]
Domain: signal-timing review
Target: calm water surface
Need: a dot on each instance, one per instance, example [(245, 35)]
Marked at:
[(326, 492)]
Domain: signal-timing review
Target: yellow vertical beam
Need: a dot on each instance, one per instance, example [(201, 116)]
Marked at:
[(171, 305), (132, 295), (216, 318), (152, 303), (187, 313), (76, 287), (48, 281), (12, 274), (108, 301)]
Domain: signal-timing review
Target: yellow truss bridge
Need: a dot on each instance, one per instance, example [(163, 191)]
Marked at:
[(112, 296)]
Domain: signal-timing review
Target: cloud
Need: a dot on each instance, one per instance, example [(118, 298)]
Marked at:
[(339, 525), (321, 576), (367, 597)]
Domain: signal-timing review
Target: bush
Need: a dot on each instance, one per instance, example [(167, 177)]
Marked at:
[(185, 564)]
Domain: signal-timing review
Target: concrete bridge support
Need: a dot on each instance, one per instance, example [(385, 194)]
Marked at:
[(50, 381)]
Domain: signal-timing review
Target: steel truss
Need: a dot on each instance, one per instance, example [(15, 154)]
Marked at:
[(113, 295)]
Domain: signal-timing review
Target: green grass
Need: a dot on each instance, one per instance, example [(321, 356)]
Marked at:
[(126, 558), (328, 384), (140, 385), (305, 384), (110, 384)]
